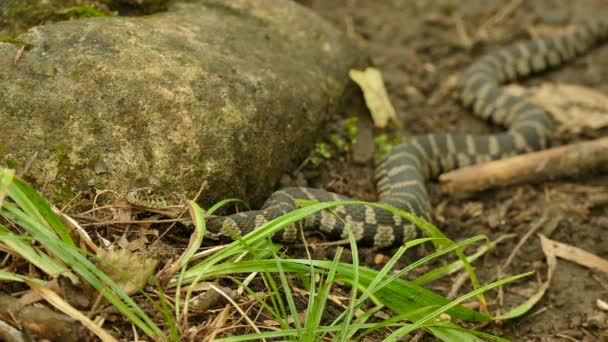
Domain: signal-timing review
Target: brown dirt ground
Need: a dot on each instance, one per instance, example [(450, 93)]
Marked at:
[(418, 47)]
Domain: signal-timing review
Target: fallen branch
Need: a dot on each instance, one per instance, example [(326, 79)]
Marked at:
[(568, 160)]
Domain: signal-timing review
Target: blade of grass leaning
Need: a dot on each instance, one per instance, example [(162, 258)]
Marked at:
[(369, 290), (165, 310), (446, 332), (38, 208), (457, 265), (419, 262), (395, 319), (362, 319), (35, 227), (106, 286), (319, 299), (258, 250), (310, 283), (277, 300), (455, 333), (377, 286), (291, 304), (525, 306), (6, 178), (382, 274), (199, 223), (224, 202), (273, 310), (287, 333), (8, 276), (455, 247), (436, 331), (445, 308), (345, 333), (196, 239), (21, 247)]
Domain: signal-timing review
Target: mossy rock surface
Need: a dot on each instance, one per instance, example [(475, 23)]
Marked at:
[(232, 93)]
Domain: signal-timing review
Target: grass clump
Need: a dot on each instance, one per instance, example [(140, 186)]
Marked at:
[(277, 296)]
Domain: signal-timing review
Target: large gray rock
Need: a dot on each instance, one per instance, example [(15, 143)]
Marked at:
[(231, 92)]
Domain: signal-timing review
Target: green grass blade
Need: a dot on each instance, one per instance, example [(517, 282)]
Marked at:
[(445, 308), (456, 266), (311, 308), (8, 276), (195, 243), (287, 333), (37, 208), (24, 249), (291, 304), (6, 178), (525, 306), (320, 300), (277, 300), (222, 203), (399, 295), (347, 331), (452, 332)]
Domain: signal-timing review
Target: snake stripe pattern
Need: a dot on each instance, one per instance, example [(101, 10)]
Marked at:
[(401, 177)]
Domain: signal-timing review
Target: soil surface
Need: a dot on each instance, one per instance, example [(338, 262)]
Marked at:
[(420, 46)]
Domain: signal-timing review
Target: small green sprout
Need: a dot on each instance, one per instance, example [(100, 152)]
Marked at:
[(351, 128), (383, 146)]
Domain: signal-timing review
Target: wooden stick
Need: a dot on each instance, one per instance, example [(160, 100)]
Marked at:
[(567, 160)]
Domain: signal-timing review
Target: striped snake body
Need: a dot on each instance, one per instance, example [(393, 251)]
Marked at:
[(401, 177)]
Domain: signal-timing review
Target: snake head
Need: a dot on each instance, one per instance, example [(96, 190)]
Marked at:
[(146, 197)]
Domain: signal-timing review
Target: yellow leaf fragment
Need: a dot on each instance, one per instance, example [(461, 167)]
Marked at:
[(576, 255), (372, 84)]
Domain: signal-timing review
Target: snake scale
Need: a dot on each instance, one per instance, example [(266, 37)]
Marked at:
[(402, 175)]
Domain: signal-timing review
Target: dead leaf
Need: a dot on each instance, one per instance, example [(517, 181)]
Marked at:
[(371, 83), (573, 107), (577, 255), (52, 298), (601, 304), (130, 271), (211, 299)]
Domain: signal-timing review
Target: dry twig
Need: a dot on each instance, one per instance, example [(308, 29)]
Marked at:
[(568, 160)]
